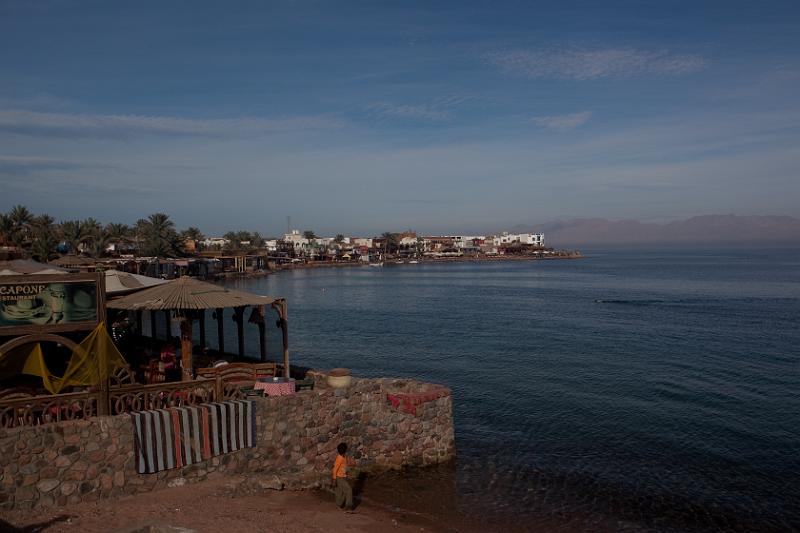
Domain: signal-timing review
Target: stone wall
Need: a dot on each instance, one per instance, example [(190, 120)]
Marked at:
[(84, 460)]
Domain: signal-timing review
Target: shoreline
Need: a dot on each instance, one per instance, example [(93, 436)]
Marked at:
[(214, 505), (560, 255)]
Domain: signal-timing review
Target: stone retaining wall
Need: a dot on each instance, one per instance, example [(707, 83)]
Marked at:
[(70, 462)]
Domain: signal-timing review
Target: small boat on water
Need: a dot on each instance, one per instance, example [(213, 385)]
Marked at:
[(413, 262), (376, 264), (400, 262)]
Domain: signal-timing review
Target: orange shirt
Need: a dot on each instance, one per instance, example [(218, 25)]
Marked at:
[(340, 467)]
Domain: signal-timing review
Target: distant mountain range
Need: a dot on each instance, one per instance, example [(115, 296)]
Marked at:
[(700, 229)]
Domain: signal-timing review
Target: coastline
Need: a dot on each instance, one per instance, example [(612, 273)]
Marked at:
[(558, 255), (214, 506)]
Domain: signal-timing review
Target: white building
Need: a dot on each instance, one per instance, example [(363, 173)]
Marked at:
[(534, 239), (216, 242), (296, 238)]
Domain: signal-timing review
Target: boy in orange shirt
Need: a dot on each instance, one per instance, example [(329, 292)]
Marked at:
[(342, 488)]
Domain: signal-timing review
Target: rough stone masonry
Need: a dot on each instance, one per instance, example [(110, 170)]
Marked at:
[(84, 460)]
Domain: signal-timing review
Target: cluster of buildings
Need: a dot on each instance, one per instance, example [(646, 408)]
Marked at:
[(297, 246)]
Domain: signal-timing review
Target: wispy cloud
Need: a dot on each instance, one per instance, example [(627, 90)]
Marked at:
[(407, 112), (125, 126), (563, 122), (584, 64), (439, 109)]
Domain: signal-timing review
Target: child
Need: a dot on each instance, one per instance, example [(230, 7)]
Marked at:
[(342, 488)]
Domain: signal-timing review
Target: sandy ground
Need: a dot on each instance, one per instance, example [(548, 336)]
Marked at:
[(210, 507)]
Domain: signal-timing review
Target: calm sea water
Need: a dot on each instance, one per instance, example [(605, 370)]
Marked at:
[(627, 391)]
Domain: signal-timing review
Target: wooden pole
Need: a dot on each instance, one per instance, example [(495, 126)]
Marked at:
[(153, 329), (139, 317), (280, 307), (262, 334), (239, 317), (186, 347), (220, 332), (201, 318)]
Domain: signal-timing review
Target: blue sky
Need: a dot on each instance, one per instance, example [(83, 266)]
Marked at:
[(363, 117)]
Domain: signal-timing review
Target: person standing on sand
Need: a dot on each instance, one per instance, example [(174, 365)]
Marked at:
[(341, 486)]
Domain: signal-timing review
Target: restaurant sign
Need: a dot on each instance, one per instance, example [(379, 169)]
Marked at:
[(47, 303)]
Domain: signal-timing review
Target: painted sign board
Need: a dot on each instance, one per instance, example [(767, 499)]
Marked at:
[(50, 303)]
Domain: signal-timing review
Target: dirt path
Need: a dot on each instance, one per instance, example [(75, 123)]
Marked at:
[(211, 507)]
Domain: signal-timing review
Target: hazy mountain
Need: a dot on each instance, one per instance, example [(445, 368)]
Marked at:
[(701, 229)]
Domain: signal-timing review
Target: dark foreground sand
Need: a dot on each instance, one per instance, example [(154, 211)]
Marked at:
[(211, 507)]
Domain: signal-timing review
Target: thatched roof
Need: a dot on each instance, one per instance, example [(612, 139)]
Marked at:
[(118, 283), (19, 267), (71, 260), (187, 293)]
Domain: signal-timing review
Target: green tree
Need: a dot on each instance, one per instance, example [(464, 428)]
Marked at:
[(73, 234), (156, 236), (6, 228), (389, 242), (192, 233), (44, 238), (21, 220)]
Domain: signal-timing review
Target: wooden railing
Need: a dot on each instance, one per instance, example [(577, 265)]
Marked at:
[(36, 410), (128, 398), (113, 400)]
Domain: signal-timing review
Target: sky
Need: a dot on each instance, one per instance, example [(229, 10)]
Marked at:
[(365, 117)]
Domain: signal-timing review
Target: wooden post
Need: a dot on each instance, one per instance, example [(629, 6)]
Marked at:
[(220, 332), (153, 329), (186, 347), (280, 307), (238, 315), (104, 399), (262, 334), (168, 325), (201, 318), (139, 317)]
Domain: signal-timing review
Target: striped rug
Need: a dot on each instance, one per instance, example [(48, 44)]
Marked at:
[(182, 436)]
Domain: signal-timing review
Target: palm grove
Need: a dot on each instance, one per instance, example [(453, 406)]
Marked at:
[(40, 237)]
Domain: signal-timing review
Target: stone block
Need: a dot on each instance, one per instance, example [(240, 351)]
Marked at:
[(68, 487), (46, 485)]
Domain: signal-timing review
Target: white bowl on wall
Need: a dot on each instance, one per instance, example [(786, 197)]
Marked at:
[(339, 378)]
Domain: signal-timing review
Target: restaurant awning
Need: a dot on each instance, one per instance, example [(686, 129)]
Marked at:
[(187, 293), (188, 298)]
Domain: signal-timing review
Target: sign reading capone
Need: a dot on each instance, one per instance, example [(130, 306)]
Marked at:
[(44, 303)]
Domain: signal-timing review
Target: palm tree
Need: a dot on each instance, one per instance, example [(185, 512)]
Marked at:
[(158, 236), (117, 234), (389, 242), (193, 234), (21, 220), (98, 244), (73, 234), (45, 242), (6, 228)]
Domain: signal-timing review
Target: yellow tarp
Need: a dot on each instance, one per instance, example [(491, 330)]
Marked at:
[(92, 362)]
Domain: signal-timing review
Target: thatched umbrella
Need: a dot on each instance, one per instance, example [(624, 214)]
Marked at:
[(119, 283), (186, 296)]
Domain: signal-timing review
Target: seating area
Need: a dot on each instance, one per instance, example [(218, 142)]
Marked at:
[(244, 374)]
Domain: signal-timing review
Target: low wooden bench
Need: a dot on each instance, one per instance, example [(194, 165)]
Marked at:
[(239, 373)]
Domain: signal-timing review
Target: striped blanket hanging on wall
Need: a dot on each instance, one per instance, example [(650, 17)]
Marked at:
[(181, 436)]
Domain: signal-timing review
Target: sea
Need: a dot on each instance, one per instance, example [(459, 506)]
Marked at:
[(631, 390)]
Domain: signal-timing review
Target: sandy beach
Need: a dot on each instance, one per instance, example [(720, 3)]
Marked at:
[(211, 507)]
